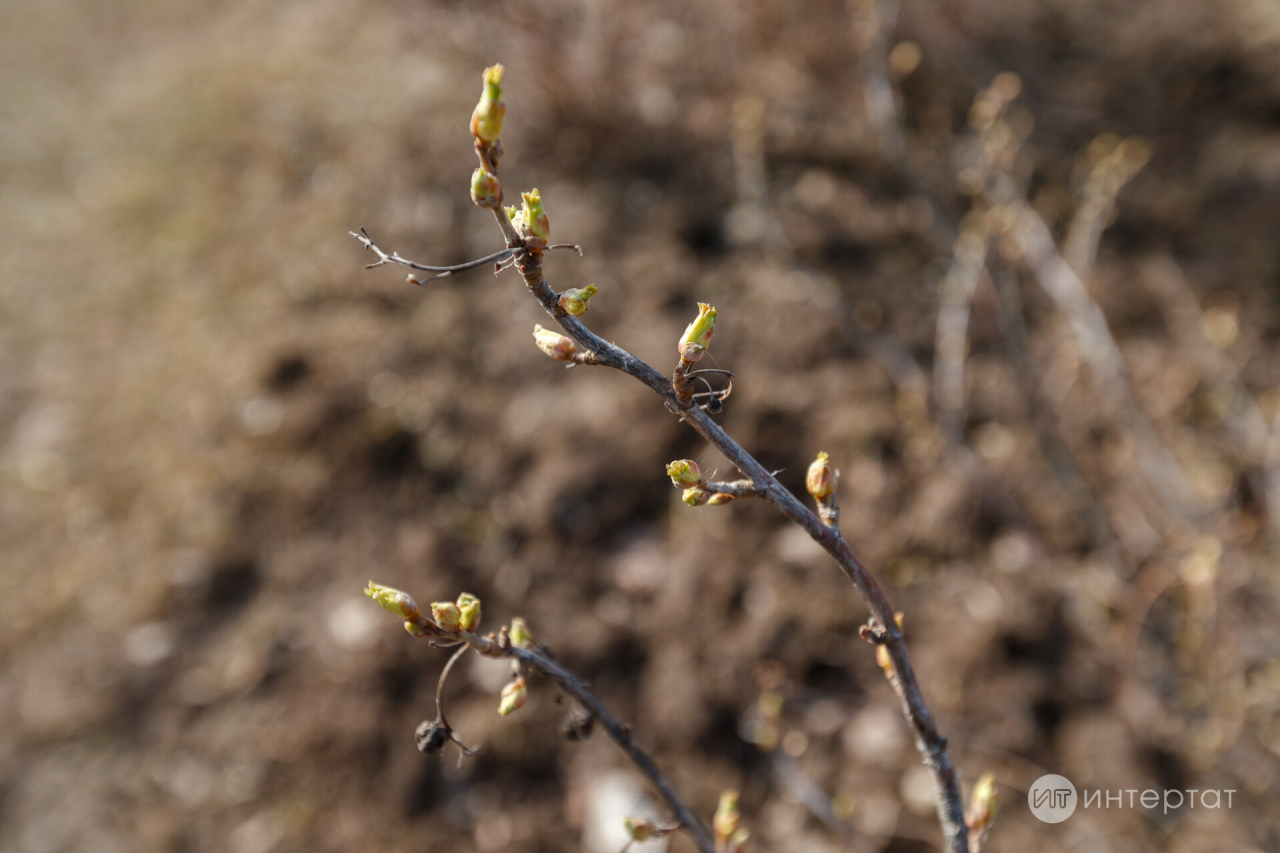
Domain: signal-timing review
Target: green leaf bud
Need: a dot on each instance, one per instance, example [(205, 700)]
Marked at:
[(395, 601), (536, 225), (695, 496), (821, 478), (638, 829), (469, 612), (728, 819), (513, 696), (486, 189), (684, 473), (520, 634), (446, 614), (701, 329), (486, 119), (554, 344), (575, 301)]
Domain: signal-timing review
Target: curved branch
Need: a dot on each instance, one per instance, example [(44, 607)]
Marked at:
[(500, 646), (929, 741)]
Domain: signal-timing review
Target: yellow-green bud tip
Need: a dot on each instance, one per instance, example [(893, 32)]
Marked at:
[(493, 81), (486, 119), (695, 496), (702, 328), (554, 344), (575, 301), (520, 634), (821, 478), (720, 499), (536, 224), (446, 615), (395, 601), (513, 696), (486, 189), (684, 473), (728, 818), (638, 829), (468, 612), (984, 803)]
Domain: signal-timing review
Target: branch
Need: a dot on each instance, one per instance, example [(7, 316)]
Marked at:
[(500, 646), (931, 744)]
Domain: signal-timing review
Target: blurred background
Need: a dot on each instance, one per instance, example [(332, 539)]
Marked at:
[(1013, 264)]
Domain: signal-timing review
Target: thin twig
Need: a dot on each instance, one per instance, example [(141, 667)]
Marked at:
[(955, 302), (500, 646), (931, 744), (395, 258)]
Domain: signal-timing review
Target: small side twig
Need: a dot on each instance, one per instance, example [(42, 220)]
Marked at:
[(441, 272)]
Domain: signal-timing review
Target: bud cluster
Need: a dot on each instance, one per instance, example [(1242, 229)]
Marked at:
[(451, 616), (531, 222), (486, 127)]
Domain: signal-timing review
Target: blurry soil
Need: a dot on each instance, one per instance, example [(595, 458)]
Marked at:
[(215, 427)]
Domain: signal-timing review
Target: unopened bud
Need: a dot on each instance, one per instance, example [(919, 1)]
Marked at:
[(520, 634), (821, 479), (446, 615), (719, 499), (638, 829), (684, 473), (695, 496), (486, 189), (513, 696), (701, 329), (554, 344), (575, 301), (486, 119), (416, 629), (983, 803), (395, 601), (468, 612), (884, 661), (536, 225), (737, 841), (728, 819)]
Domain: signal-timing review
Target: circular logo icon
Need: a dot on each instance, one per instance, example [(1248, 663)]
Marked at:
[(1052, 798)]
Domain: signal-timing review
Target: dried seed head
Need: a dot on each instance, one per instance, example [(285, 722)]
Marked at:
[(684, 473), (468, 612), (577, 724), (446, 614), (700, 330), (486, 119), (432, 736), (821, 479), (554, 344), (486, 189), (513, 696), (395, 601), (575, 301)]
